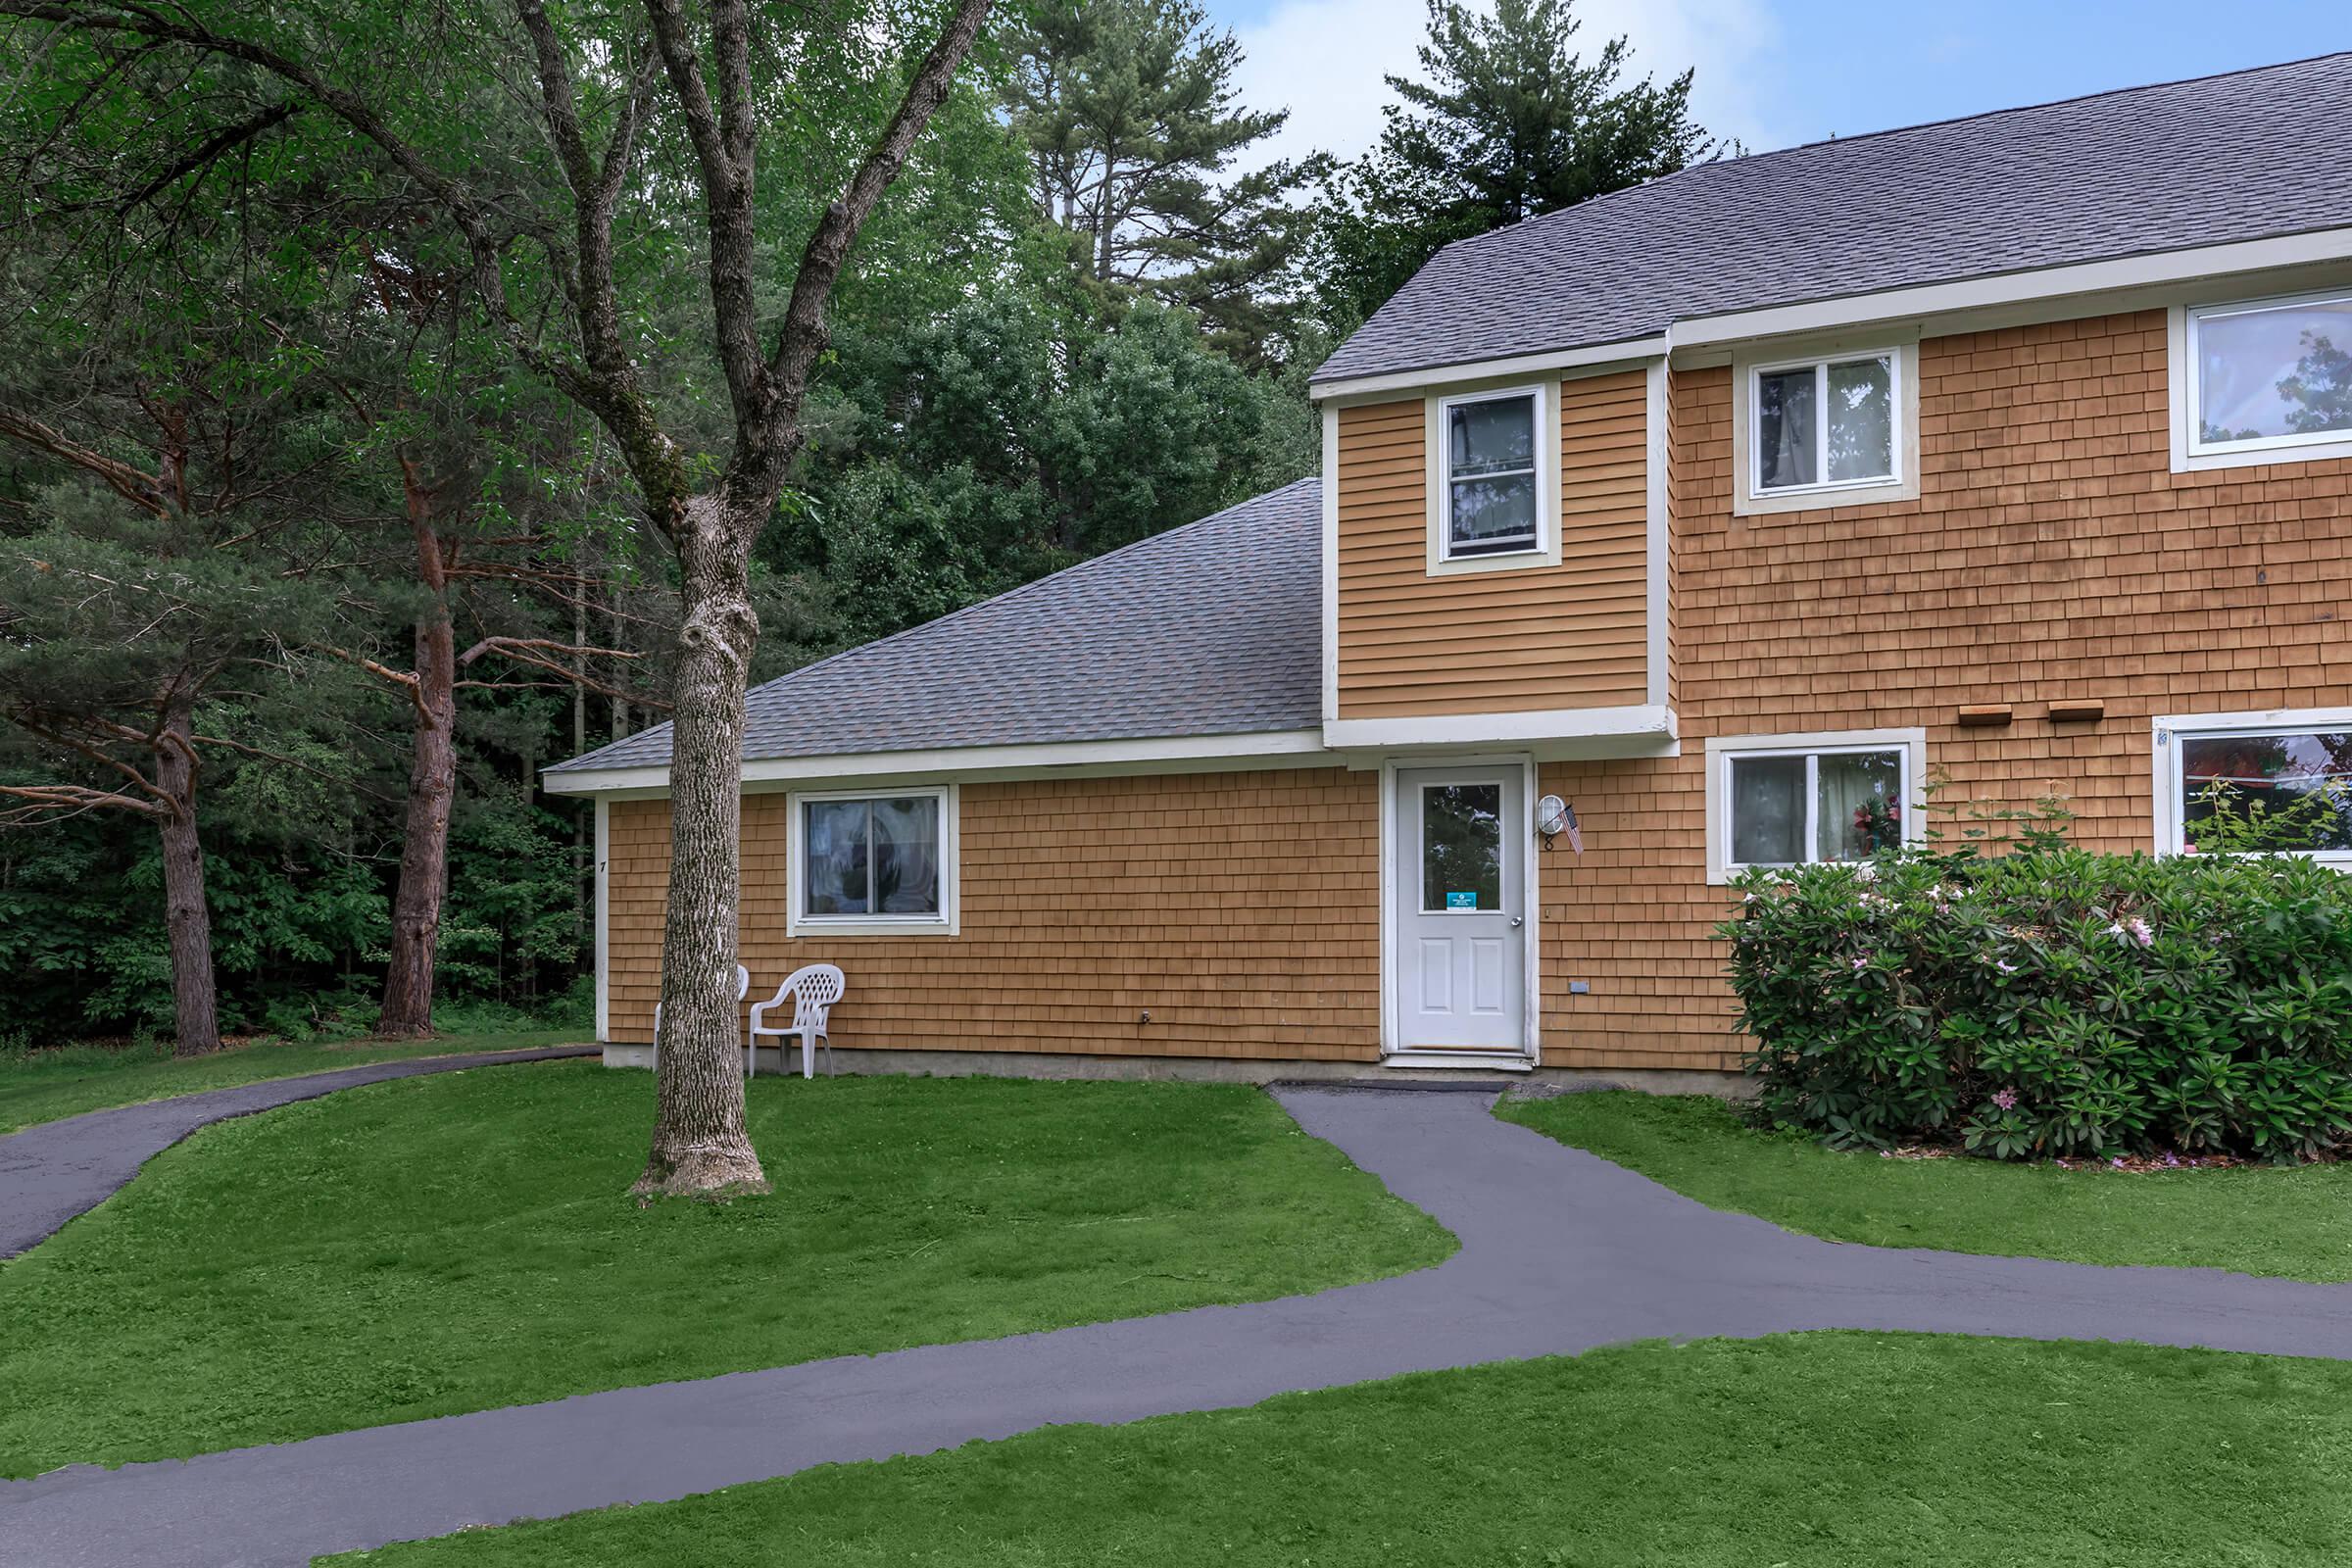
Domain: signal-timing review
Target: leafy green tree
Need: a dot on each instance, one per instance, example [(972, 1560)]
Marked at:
[(576, 131), (1513, 122), (1129, 114), (1016, 444)]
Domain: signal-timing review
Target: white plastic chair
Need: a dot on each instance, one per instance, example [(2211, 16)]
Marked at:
[(813, 990), (743, 989)]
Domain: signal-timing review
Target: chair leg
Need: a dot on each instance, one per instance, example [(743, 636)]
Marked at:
[(807, 1054)]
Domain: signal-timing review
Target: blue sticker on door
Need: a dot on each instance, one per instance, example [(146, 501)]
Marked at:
[(1462, 901)]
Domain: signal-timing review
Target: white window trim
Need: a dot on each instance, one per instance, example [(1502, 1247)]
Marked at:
[(1439, 501), (2191, 453), (947, 922), (2170, 729), (1722, 748), (1749, 500)]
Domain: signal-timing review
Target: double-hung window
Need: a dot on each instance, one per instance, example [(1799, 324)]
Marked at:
[(2269, 380), (2231, 786), (1795, 800), (873, 862), (1494, 473)]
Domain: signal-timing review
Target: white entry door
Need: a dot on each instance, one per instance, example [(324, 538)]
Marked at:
[(1462, 925)]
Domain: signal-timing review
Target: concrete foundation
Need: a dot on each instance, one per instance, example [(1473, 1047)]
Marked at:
[(1215, 1069)]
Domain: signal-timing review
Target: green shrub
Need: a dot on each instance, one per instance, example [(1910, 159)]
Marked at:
[(2052, 1002)]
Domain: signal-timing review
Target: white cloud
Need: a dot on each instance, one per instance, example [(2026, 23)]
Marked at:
[(1327, 60)]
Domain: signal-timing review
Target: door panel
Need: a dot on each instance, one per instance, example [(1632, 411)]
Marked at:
[(1436, 974), (1460, 861)]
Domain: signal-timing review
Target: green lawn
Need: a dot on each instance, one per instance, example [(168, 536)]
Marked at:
[(1808, 1452), (2290, 1221), (461, 1242), (45, 1085)]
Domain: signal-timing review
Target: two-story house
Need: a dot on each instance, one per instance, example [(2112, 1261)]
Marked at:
[(1690, 528)]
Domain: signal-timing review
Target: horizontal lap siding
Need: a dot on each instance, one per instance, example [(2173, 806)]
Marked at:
[(2051, 555), (1241, 909), (1565, 636)]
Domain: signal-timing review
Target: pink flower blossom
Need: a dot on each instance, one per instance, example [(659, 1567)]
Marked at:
[(2142, 932), (2007, 1098), (1861, 963)]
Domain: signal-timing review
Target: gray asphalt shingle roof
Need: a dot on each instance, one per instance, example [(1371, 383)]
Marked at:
[(2250, 155), (1215, 628)]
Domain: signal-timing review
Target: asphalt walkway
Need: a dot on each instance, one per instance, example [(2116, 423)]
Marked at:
[(51, 1172), (1561, 1251)]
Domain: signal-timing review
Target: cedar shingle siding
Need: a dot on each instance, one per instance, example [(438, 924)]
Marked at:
[(2053, 555), (1241, 909)]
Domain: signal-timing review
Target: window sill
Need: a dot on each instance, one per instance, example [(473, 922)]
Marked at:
[(2263, 457), (1500, 560), (1822, 498), (851, 925)]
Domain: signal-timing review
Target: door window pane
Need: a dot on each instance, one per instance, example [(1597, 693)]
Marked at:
[(1861, 419), (905, 856), (1860, 805), (1768, 810), (2282, 372), (1491, 476), (836, 879), (1785, 429), (2246, 793), (1462, 846)]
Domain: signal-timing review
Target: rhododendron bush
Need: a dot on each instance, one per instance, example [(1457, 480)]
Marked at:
[(2052, 1002)]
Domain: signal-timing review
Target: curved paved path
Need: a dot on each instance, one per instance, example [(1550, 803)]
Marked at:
[(57, 1169), (1561, 1251)]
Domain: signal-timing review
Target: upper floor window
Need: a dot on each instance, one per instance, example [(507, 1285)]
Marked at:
[(1492, 474), (1825, 422), (1832, 429), (2274, 375), (2253, 788)]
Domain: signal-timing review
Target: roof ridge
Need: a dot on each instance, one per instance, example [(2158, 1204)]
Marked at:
[(1895, 131), (957, 614)]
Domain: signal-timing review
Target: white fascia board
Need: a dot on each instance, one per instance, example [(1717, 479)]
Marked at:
[(1592, 358), (1645, 730), (1300, 748), (1999, 289)]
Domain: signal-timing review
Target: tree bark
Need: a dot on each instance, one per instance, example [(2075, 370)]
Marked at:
[(407, 1009), (700, 1145), (187, 919)]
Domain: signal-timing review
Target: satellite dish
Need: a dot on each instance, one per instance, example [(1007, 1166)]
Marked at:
[(1551, 814)]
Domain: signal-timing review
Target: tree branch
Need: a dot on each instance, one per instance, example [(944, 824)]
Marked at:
[(141, 489)]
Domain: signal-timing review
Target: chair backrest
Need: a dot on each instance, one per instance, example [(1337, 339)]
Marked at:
[(815, 989), (743, 982)]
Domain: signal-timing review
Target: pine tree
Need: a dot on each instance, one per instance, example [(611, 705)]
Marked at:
[(1511, 123), (1128, 110)]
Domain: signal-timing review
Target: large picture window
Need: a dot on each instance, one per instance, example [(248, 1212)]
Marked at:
[(1795, 800), (2269, 376), (2250, 791), (1493, 476), (882, 861)]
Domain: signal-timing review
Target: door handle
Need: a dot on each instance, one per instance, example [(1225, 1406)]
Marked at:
[(1517, 922)]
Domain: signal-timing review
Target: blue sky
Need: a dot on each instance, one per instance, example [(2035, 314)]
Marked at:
[(1776, 73)]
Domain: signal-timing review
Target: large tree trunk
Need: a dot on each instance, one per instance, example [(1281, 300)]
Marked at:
[(700, 1145), (407, 1009), (187, 919)]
